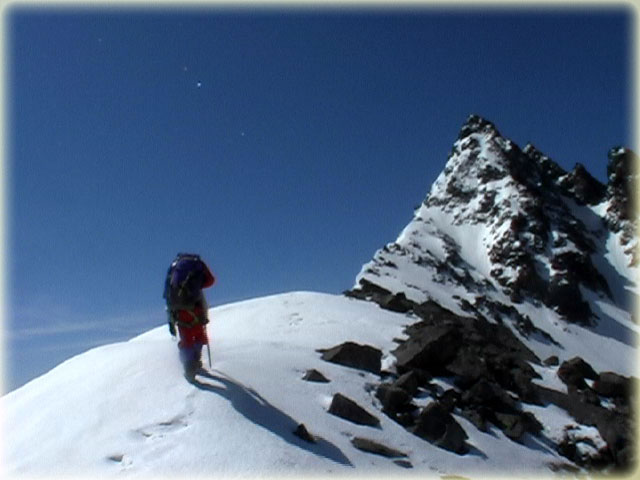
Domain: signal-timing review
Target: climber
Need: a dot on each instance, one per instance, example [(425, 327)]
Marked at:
[(187, 307)]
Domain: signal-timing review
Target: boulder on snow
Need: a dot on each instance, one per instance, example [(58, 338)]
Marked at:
[(552, 361), (354, 355), (573, 373), (302, 432), (435, 425), (347, 409), (394, 400), (610, 384), (409, 382), (371, 446), (403, 463), (314, 375), (512, 425)]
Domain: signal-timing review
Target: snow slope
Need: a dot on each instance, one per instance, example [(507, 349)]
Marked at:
[(125, 409)]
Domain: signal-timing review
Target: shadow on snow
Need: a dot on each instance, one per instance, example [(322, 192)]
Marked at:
[(252, 406)]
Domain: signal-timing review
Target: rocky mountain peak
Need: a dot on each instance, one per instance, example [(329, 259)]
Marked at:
[(510, 260), (511, 220), (478, 125)]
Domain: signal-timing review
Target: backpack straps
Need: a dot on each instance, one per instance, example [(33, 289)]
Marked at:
[(176, 308)]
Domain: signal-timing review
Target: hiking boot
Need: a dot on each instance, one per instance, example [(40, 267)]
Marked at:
[(191, 369)]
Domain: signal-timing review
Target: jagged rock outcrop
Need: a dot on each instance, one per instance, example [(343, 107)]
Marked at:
[(302, 433), (314, 375), (522, 257), (537, 227), (377, 448), (623, 183), (347, 409), (351, 354), (438, 426)]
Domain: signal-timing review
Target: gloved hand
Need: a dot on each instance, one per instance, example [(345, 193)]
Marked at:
[(172, 329)]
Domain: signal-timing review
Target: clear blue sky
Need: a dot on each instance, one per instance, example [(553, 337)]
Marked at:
[(284, 146)]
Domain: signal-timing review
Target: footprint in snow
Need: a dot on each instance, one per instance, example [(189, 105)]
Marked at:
[(162, 428), (295, 319), (122, 459)]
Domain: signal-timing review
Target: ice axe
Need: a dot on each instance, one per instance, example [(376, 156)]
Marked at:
[(208, 349)]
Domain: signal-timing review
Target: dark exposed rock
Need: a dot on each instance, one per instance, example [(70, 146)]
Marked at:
[(620, 186), (468, 366), (512, 425), (567, 300), (617, 431), (477, 415), (490, 395), (350, 354), (584, 395), (552, 361), (432, 313), (403, 463), (621, 197), (449, 399), (314, 375), (476, 124), (582, 186), (409, 382), (347, 409), (576, 267), (531, 423), (438, 427), (431, 350), (393, 399), (573, 372), (368, 291), (610, 384), (396, 303), (371, 446), (520, 382), (302, 432)]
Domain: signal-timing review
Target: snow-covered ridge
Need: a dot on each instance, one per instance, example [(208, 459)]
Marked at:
[(125, 409)]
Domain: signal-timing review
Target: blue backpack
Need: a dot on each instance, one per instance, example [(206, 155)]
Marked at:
[(183, 284)]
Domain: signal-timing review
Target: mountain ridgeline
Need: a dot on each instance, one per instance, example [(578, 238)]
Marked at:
[(494, 335), (520, 274)]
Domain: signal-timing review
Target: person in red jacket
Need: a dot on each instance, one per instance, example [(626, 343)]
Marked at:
[(187, 307)]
